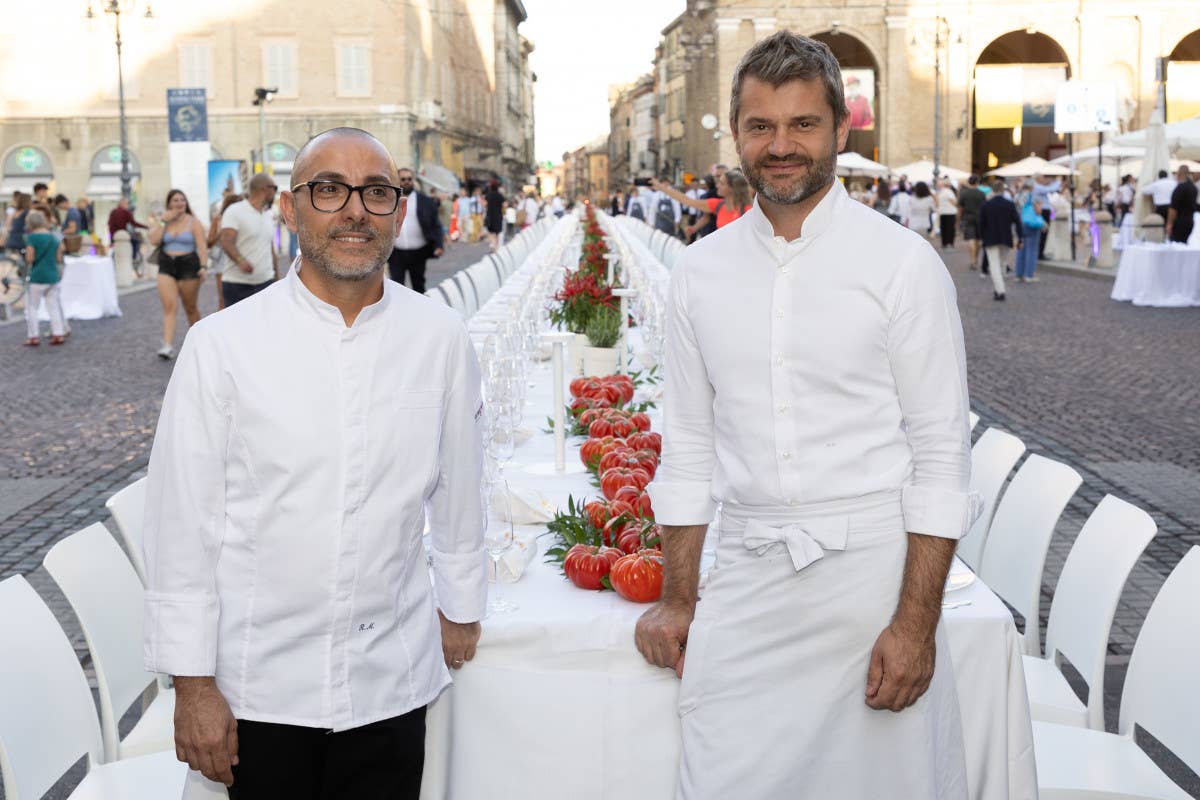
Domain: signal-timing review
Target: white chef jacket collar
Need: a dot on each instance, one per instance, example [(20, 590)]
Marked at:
[(328, 312), (819, 220)]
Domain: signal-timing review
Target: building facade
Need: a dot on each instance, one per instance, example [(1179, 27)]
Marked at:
[(633, 143), (445, 84), (586, 172), (966, 80)]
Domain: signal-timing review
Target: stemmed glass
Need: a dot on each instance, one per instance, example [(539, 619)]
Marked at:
[(498, 538)]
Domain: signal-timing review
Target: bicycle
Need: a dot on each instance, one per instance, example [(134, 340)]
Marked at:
[(12, 283)]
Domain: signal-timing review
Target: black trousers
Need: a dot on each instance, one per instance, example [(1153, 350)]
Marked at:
[(380, 761), (1045, 230), (1182, 229), (948, 224), (412, 262), (233, 292)]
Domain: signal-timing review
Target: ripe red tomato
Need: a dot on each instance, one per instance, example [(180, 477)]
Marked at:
[(590, 452), (643, 506), (599, 428), (618, 508), (628, 494), (597, 513), (613, 479), (585, 565), (617, 457), (647, 460), (587, 415), (612, 443), (622, 427), (629, 537), (577, 387), (639, 576), (641, 420)]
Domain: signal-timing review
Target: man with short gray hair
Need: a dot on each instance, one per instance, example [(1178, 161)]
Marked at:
[(818, 393)]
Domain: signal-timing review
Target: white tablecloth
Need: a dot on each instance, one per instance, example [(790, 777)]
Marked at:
[(559, 703), (88, 288), (1165, 275)]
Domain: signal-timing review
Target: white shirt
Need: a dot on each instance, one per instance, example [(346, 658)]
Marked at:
[(255, 242), (642, 200), (556, 204), (410, 237), (1161, 190), (531, 210), (947, 201), (823, 369), (656, 198), (1125, 194), (919, 211), (900, 205), (287, 489)]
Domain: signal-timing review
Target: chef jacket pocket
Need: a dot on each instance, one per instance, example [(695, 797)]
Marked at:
[(413, 425), (692, 687)]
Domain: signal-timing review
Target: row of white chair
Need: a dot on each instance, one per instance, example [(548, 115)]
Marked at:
[(1007, 546), (467, 290), (664, 247)]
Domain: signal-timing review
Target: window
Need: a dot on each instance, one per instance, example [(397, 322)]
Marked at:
[(195, 66), (279, 67), (354, 68)]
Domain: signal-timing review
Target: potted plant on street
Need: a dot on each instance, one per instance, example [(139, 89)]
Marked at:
[(604, 334)]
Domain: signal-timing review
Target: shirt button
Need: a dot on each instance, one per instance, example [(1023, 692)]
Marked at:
[(791, 501), (783, 408), (787, 455), (779, 361), (785, 269), (779, 313)]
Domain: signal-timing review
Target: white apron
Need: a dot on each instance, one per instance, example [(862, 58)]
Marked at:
[(772, 703)]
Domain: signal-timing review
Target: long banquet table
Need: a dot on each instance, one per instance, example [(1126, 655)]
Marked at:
[(1161, 275), (559, 703), (88, 288)]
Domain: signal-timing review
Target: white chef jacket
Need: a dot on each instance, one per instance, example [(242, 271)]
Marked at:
[(1161, 190), (286, 497), (410, 237), (826, 368)]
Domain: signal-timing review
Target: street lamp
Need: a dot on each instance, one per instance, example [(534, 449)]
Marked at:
[(261, 98), (114, 7), (938, 41)]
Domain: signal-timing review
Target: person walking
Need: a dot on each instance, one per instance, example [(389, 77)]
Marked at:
[(247, 237), (970, 199), (43, 252), (121, 219), (183, 254), (1044, 188), (14, 239), (733, 200), (1182, 210), (820, 633), (1032, 226), (445, 213), (998, 218), (217, 259), (528, 212), (1160, 192), (883, 198), (419, 238), (947, 211), (494, 214), (304, 434), (920, 211), (900, 206)]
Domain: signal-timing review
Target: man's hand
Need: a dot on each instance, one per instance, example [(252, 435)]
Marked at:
[(245, 266), (205, 730), (458, 641), (437, 252), (901, 668), (1020, 243), (661, 634)]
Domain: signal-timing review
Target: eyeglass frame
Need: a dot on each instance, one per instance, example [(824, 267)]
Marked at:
[(401, 193)]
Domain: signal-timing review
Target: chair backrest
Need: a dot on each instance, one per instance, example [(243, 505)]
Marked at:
[(128, 509), (1089, 589), (483, 275), (1015, 552), (497, 266), (47, 718), (1160, 686), (992, 458), (974, 419), (470, 295), (438, 294), (106, 595)]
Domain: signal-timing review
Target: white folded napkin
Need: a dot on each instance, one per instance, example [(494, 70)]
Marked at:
[(522, 435), (529, 507), (514, 561)]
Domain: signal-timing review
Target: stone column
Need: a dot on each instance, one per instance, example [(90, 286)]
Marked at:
[(122, 255), (729, 53), (894, 139)]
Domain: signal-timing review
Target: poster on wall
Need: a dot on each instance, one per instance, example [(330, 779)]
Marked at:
[(224, 177), (1183, 90), (860, 97), (1016, 95)]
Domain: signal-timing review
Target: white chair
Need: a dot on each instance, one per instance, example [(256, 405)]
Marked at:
[(470, 296), (128, 509), (1159, 696), (100, 584), (973, 418), (992, 458), (1081, 613), (437, 294), (454, 295), (1015, 552), (48, 720)]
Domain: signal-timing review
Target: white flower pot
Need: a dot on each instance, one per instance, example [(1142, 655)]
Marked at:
[(575, 349), (599, 361)]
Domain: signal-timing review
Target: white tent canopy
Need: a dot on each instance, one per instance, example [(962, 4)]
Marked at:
[(1032, 165), (1155, 160), (1112, 154), (851, 164), (923, 171), (1182, 138)]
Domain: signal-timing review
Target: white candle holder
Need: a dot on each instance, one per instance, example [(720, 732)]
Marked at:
[(558, 342), (612, 259), (622, 345)]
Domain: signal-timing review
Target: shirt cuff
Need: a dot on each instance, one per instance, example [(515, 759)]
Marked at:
[(939, 512), (460, 584), (180, 635), (682, 502)]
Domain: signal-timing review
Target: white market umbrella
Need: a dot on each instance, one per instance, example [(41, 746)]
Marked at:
[(1112, 154), (439, 177), (852, 164), (923, 171), (1156, 160), (1028, 167), (1182, 138)]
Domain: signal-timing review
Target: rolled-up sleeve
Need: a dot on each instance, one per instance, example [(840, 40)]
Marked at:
[(184, 518), (456, 513), (925, 348), (682, 488)]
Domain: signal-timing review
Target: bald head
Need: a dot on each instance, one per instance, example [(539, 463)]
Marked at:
[(302, 167)]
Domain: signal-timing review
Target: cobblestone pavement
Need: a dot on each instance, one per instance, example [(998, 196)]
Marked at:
[(1110, 389)]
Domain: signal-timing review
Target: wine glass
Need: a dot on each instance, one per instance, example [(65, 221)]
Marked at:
[(498, 538)]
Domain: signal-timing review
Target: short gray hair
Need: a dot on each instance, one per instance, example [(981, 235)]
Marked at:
[(785, 56), (34, 220)]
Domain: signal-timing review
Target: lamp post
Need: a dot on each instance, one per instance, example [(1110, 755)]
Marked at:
[(937, 96), (261, 98), (114, 7)]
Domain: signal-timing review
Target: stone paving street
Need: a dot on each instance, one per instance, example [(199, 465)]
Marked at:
[(1110, 389)]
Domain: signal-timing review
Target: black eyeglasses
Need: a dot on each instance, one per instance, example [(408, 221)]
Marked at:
[(330, 197)]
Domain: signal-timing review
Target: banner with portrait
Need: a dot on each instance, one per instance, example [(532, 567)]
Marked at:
[(859, 86), (1016, 95)]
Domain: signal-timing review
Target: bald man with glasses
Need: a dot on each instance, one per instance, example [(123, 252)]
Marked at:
[(303, 434), (420, 237)]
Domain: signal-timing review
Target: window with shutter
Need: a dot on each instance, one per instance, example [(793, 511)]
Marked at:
[(354, 68), (195, 65), (279, 67)]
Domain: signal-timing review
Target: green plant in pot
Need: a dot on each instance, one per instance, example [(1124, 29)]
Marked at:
[(603, 333)]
